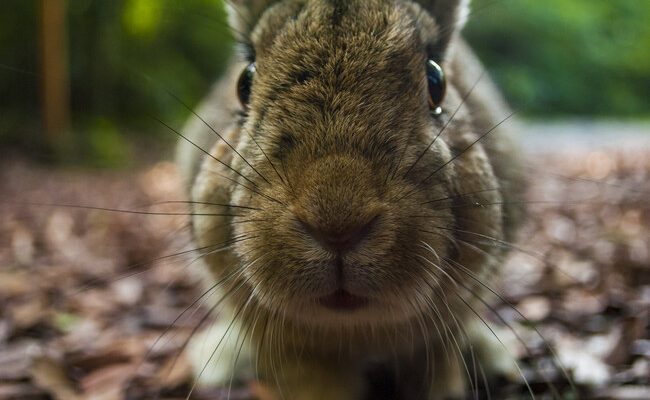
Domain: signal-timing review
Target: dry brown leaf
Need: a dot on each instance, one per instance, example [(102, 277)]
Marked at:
[(15, 360), (20, 391), (535, 308), (174, 372), (585, 283), (49, 375), (15, 284), (107, 383), (29, 313), (627, 393)]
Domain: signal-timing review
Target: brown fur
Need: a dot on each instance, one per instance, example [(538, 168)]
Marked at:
[(338, 115)]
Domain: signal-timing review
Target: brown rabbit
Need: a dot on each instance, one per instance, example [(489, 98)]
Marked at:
[(349, 250)]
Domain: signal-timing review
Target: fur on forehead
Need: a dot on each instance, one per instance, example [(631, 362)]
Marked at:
[(298, 27), (450, 15)]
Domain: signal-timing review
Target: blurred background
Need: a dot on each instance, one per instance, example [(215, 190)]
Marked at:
[(110, 63), (80, 81)]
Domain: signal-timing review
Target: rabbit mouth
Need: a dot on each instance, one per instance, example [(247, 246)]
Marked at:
[(343, 301)]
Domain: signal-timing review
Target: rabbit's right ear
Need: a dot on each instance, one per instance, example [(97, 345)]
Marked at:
[(244, 14), (450, 16)]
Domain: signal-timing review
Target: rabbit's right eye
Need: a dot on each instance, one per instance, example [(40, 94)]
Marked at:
[(244, 84)]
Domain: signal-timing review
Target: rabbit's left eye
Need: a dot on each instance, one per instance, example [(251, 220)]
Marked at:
[(437, 86), (244, 84)]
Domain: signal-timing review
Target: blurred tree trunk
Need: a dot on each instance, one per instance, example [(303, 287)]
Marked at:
[(54, 70)]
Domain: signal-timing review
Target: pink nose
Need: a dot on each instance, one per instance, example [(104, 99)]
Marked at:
[(341, 239)]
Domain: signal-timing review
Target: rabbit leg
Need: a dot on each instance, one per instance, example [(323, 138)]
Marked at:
[(311, 380), (448, 382), (219, 356), (439, 376)]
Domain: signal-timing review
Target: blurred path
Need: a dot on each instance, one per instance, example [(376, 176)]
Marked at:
[(571, 135)]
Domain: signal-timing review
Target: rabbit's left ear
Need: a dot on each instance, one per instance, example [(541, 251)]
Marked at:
[(450, 16), (244, 14)]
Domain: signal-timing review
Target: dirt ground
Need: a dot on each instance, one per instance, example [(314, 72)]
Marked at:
[(89, 298)]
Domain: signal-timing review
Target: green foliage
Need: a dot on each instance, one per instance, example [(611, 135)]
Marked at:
[(19, 84), (126, 57), (567, 57), (105, 145)]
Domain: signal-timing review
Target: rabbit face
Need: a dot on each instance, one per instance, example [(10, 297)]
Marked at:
[(349, 191)]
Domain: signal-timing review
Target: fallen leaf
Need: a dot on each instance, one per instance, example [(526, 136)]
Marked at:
[(49, 375)]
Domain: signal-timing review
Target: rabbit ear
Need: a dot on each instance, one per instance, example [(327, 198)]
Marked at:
[(243, 14), (450, 16)]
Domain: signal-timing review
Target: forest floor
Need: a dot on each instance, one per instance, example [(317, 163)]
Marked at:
[(89, 302)]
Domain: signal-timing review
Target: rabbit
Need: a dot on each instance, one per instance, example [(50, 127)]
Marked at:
[(334, 171)]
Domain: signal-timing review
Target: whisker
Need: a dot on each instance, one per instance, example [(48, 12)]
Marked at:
[(189, 307), (486, 383), (591, 181), (209, 313), (220, 162), (548, 346), (191, 110), (457, 155), (204, 151), (524, 202), (451, 313), (457, 283), (265, 155), (549, 382), (484, 135), (489, 238), (122, 211), (202, 203), (130, 269), (530, 390), (444, 127), (205, 317), (228, 329), (249, 329), (456, 196), (496, 242)]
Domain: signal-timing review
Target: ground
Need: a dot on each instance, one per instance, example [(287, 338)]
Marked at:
[(86, 293)]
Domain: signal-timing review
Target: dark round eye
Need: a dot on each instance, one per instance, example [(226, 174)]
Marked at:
[(244, 84), (437, 86)]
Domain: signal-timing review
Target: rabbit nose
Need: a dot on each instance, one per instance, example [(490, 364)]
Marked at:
[(344, 238)]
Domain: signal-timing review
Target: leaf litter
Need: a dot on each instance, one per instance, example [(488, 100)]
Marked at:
[(83, 303)]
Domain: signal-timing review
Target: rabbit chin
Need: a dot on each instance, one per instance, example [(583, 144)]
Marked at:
[(341, 309), (373, 312)]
